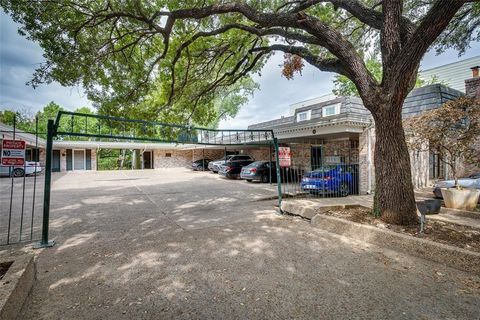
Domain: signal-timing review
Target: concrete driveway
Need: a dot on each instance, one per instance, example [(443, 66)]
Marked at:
[(172, 243)]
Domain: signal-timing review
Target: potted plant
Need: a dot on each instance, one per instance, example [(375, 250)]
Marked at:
[(453, 132)]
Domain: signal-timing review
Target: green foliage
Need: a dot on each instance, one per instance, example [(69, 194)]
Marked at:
[(22, 119), (131, 62)]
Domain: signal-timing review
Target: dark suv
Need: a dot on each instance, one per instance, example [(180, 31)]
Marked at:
[(232, 168)]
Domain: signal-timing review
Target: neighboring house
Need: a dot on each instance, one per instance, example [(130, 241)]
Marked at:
[(453, 74)]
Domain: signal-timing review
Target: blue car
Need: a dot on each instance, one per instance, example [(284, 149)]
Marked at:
[(336, 180)]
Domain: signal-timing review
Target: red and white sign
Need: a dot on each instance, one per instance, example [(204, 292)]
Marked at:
[(13, 153), (284, 156)]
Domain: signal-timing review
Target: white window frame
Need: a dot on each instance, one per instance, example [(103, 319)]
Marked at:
[(325, 108), (308, 115), (84, 159)]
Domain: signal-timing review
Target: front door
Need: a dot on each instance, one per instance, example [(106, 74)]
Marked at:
[(56, 161), (147, 160), (78, 159), (316, 157)]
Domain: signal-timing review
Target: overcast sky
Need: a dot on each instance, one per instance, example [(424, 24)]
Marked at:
[(19, 58)]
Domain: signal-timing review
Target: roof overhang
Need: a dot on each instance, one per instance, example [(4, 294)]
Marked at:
[(68, 144), (319, 130)]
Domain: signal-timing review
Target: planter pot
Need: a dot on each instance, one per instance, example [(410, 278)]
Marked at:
[(465, 199)]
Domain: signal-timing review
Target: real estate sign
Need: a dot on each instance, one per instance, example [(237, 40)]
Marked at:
[(284, 156), (13, 153)]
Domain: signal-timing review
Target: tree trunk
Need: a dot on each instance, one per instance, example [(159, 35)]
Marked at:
[(394, 196)]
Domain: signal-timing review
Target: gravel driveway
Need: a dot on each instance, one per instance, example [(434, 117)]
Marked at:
[(168, 244)]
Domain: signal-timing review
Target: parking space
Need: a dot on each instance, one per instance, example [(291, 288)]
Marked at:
[(173, 243)]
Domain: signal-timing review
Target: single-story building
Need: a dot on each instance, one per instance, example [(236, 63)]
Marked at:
[(76, 155)]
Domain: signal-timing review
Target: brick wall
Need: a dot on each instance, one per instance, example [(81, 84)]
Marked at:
[(212, 154), (472, 88), (346, 149), (365, 161), (301, 155), (94, 159), (172, 158), (260, 153), (419, 164)]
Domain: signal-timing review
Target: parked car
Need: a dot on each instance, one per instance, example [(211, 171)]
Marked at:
[(330, 180), (259, 171), (215, 165), (232, 168), (200, 164), (472, 182), (19, 171)]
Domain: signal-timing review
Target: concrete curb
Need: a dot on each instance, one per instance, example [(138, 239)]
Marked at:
[(16, 284), (445, 254)]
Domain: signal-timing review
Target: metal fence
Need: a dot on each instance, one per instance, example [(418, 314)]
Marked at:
[(21, 193), (322, 175), (332, 180)]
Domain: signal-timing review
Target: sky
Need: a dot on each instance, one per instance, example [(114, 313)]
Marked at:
[(19, 57)]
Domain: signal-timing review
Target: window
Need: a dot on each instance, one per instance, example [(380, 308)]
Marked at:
[(331, 110), (304, 115), (168, 155), (32, 155)]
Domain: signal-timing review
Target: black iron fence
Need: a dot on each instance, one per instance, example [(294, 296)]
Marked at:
[(327, 180), (21, 191)]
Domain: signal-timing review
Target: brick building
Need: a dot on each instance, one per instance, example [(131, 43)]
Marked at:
[(342, 131)]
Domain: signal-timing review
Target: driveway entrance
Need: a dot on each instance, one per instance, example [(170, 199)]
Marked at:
[(170, 244)]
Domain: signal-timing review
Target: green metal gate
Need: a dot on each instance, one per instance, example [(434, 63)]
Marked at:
[(91, 126)]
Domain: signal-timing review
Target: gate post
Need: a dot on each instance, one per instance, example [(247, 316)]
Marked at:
[(45, 243), (279, 180)]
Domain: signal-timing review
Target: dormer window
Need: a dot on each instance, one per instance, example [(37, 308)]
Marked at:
[(331, 110), (304, 115)]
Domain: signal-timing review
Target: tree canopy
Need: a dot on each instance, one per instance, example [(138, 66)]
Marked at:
[(179, 59)]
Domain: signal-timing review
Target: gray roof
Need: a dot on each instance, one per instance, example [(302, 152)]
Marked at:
[(418, 101)]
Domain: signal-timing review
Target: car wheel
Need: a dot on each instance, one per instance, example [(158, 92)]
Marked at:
[(249, 180), (265, 178), (344, 191), (18, 172)]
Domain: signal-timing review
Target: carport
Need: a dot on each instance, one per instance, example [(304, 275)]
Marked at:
[(112, 129)]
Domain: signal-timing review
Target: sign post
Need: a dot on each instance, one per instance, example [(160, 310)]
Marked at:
[(13, 153)]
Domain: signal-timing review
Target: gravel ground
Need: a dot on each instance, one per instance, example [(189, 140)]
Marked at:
[(170, 244)]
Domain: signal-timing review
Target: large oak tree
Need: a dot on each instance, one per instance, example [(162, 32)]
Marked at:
[(178, 59)]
